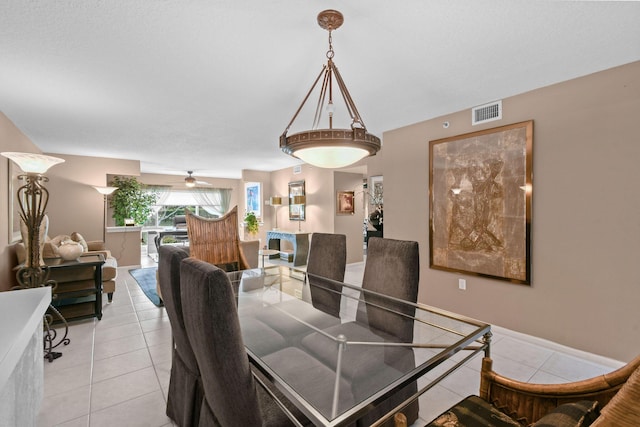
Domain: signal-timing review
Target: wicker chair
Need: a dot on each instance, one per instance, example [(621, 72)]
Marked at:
[(217, 241), (527, 403)]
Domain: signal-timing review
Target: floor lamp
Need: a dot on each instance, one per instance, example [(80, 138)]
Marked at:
[(299, 200), (105, 191), (275, 201), (33, 198)]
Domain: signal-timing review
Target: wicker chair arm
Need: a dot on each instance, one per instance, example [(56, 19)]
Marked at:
[(527, 402)]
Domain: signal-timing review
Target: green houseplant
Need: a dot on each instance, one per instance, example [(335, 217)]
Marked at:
[(251, 222), (130, 200)]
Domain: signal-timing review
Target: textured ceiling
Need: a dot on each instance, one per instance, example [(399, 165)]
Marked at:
[(210, 85)]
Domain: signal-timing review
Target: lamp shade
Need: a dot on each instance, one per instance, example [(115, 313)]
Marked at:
[(331, 157), (329, 147), (275, 201), (105, 190), (299, 200), (32, 162)]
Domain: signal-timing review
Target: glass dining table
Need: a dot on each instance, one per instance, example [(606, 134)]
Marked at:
[(379, 354)]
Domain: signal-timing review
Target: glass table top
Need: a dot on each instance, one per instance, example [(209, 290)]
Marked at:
[(333, 366)]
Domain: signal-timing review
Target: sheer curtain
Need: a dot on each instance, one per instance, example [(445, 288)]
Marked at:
[(215, 201)]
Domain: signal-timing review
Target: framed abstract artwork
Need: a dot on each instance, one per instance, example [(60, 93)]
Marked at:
[(253, 196), (296, 211), (344, 203), (480, 190)]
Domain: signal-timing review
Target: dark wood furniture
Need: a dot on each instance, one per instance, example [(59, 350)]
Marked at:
[(74, 298)]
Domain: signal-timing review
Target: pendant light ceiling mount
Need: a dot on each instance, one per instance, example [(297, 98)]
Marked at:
[(329, 147)]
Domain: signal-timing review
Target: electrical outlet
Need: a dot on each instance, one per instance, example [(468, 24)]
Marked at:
[(462, 284)]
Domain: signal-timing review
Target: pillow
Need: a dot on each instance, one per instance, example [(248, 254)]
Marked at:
[(77, 237), (576, 414), (50, 250)]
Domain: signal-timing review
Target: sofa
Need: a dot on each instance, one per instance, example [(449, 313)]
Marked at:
[(50, 250)]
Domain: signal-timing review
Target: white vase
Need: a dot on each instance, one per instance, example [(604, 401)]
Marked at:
[(70, 251)]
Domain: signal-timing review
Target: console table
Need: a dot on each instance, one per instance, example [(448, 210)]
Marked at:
[(300, 243)]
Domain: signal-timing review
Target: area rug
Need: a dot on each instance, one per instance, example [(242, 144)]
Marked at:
[(146, 279)]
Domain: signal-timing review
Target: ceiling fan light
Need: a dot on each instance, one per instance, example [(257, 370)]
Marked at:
[(190, 182)]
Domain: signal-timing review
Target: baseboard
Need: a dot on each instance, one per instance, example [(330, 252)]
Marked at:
[(551, 345)]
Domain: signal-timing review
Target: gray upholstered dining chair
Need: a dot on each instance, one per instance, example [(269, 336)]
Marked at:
[(185, 394), (211, 321), (327, 259), (392, 268)]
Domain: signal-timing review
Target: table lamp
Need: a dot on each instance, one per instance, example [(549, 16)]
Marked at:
[(275, 201)]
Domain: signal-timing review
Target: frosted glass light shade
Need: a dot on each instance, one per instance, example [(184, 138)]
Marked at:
[(105, 190), (331, 157), (32, 162)]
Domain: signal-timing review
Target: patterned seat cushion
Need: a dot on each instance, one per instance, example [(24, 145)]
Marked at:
[(473, 412)]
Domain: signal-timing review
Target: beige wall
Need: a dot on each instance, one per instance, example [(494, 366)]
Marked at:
[(11, 139), (349, 225), (75, 205), (585, 290)]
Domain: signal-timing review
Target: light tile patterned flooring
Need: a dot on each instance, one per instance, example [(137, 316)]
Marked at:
[(115, 372)]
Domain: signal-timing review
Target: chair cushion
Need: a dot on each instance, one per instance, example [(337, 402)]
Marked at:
[(473, 412), (77, 237), (575, 414)]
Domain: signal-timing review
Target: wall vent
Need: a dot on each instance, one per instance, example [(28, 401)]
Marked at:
[(297, 169), (486, 113)]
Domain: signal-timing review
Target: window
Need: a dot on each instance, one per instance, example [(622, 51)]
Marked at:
[(208, 203)]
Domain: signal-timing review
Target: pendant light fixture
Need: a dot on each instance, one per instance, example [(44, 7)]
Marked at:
[(329, 147)]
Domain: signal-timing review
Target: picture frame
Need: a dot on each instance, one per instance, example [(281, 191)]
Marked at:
[(376, 191), (13, 206), (480, 193), (296, 212), (345, 203), (253, 198)]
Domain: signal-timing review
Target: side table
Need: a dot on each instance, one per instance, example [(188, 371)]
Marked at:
[(77, 299)]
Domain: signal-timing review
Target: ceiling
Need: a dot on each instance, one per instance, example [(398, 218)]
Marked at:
[(209, 86)]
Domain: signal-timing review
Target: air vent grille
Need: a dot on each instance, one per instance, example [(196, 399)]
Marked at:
[(486, 113)]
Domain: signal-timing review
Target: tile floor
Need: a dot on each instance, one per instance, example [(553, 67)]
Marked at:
[(115, 372)]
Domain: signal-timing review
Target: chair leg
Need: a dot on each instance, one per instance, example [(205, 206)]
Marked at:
[(109, 297), (400, 420)]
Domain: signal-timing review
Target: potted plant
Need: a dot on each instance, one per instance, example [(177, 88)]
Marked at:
[(130, 201), (251, 223)]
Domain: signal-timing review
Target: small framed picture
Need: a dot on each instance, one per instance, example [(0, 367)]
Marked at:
[(344, 203)]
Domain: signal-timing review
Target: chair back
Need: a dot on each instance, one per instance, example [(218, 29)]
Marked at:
[(392, 268), (180, 221), (185, 395), (216, 241), (327, 259), (213, 328)]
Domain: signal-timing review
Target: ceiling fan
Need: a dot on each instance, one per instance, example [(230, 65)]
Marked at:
[(191, 181)]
